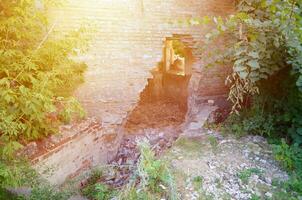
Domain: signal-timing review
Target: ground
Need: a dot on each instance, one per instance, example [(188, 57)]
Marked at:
[(210, 166), (205, 164)]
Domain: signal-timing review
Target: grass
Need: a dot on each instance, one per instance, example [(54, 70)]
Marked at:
[(5, 195), (151, 181), (214, 143), (197, 182), (244, 175)]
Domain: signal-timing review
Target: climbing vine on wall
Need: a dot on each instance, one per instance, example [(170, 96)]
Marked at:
[(37, 73)]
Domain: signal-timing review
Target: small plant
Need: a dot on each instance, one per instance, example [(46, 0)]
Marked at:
[(255, 197), (244, 175), (218, 183), (48, 193), (6, 195), (95, 190), (152, 180), (98, 191), (290, 189), (154, 174), (95, 176), (213, 142), (290, 157), (197, 182)]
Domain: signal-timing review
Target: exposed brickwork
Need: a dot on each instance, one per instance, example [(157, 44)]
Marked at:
[(79, 147), (128, 44)]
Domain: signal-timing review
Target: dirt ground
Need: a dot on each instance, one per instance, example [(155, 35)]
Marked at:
[(214, 167)]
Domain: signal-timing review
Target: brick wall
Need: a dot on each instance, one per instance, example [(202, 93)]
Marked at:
[(128, 44)]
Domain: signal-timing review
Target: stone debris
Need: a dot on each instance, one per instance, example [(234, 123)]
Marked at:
[(234, 169)]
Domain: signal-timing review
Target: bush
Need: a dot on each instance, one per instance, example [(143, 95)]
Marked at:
[(48, 193), (152, 180), (290, 157), (98, 191), (36, 65), (37, 79)]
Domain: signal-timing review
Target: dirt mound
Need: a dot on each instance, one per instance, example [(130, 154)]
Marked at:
[(160, 114)]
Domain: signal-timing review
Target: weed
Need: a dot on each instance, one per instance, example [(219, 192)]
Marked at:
[(290, 189), (5, 195), (197, 182), (218, 183), (48, 192), (95, 175), (244, 175), (255, 197), (152, 180), (213, 142), (98, 191), (290, 157)]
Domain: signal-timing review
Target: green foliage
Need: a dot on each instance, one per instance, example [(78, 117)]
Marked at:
[(154, 177), (95, 176), (244, 175), (288, 190), (255, 197), (263, 37), (95, 190), (263, 44), (254, 120), (197, 182), (16, 173), (98, 191), (153, 173), (289, 156), (48, 193), (133, 194), (36, 70), (151, 180)]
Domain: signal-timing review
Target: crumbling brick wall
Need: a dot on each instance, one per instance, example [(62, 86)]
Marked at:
[(127, 45)]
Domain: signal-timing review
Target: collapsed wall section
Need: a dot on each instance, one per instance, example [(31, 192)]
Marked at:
[(127, 45)]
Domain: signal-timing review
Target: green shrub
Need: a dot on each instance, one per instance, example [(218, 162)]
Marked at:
[(48, 193), (152, 180), (290, 157), (197, 182), (290, 189), (98, 191), (37, 78), (36, 70), (254, 120)]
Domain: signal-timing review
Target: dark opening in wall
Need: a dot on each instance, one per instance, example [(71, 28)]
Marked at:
[(163, 102)]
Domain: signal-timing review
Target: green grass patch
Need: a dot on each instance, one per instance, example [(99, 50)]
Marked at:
[(244, 175)]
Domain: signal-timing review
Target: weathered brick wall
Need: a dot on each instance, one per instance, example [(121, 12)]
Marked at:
[(128, 44)]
